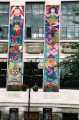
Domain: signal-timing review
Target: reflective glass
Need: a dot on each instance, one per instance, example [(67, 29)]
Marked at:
[(70, 19), (35, 19)]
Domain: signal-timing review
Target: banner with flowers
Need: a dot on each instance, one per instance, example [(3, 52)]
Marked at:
[(15, 59), (51, 51)]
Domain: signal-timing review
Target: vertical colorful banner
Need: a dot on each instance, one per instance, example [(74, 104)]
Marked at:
[(15, 60), (51, 70)]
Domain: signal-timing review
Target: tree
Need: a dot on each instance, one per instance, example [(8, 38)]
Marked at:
[(69, 74)]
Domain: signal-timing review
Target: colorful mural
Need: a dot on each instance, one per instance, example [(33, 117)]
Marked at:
[(15, 61), (51, 71)]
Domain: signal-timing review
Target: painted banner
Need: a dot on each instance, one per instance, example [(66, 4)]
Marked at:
[(51, 70), (15, 59)]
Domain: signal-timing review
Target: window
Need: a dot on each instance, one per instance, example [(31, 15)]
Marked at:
[(70, 20), (3, 73), (13, 114), (4, 20), (28, 32), (3, 47), (69, 65), (33, 74), (34, 19)]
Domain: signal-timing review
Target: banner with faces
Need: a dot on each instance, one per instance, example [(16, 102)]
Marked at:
[(15, 61), (51, 53)]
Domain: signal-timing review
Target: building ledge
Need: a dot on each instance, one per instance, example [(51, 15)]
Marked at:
[(63, 99)]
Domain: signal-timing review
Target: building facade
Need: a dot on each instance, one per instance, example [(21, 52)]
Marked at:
[(34, 38), (34, 47), (33, 43)]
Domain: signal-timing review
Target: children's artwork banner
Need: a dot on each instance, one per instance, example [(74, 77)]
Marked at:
[(51, 51), (15, 59)]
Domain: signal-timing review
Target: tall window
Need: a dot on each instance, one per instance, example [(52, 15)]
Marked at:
[(34, 20), (3, 73), (33, 74), (69, 65), (4, 20), (70, 20)]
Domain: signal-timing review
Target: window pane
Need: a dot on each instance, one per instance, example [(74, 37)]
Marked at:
[(77, 32), (28, 8), (64, 33), (36, 74), (70, 19), (35, 20), (3, 32), (28, 19), (4, 18), (35, 9), (3, 48), (28, 32), (3, 71), (41, 9), (4, 7)]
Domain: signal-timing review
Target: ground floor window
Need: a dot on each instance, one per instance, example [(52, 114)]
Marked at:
[(69, 65), (3, 74), (32, 74)]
